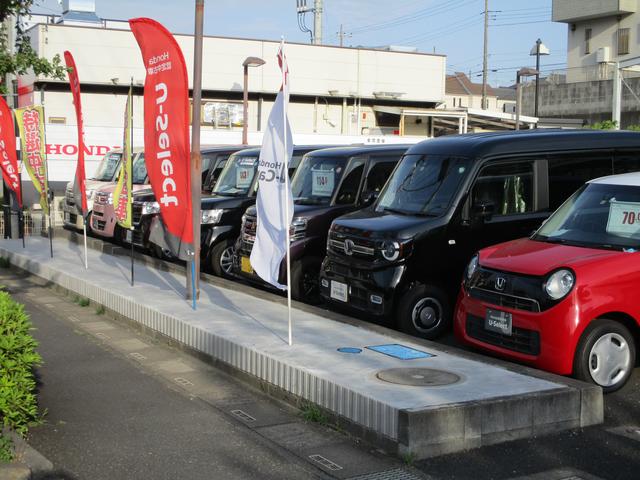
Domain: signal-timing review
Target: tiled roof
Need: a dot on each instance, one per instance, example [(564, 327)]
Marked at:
[(459, 84)]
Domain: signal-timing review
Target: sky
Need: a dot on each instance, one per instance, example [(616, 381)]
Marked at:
[(450, 27)]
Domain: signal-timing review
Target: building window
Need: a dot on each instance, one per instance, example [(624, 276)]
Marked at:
[(587, 41), (623, 41)]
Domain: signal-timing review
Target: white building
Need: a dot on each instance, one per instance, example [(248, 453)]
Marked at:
[(338, 94), (600, 32)]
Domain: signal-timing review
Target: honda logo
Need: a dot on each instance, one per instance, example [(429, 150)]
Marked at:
[(348, 247), (500, 283)]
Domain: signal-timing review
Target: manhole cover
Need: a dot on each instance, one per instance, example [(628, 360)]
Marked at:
[(418, 377)]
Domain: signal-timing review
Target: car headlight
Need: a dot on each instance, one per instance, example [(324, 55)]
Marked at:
[(149, 208), (472, 267), (211, 217), (110, 199), (559, 284), (390, 250)]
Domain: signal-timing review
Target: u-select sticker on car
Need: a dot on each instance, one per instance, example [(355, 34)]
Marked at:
[(497, 321), (338, 291)]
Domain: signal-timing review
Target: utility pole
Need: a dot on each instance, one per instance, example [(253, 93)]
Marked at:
[(485, 54), (317, 22), (342, 35)]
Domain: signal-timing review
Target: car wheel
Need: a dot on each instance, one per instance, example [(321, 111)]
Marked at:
[(222, 259), (605, 355), (424, 312), (305, 285)]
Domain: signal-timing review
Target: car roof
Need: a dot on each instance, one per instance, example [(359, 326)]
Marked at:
[(352, 150), (255, 151), (629, 179), (526, 141), (224, 148)]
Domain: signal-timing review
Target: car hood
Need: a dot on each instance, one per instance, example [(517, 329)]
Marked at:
[(532, 257), (143, 194), (372, 224), (306, 211), (219, 201)]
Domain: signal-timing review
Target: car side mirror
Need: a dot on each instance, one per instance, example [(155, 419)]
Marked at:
[(484, 211), (369, 198)]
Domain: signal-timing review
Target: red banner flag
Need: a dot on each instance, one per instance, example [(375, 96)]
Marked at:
[(79, 189), (166, 131), (8, 157)]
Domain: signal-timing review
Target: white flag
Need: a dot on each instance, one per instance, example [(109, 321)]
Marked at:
[(274, 203)]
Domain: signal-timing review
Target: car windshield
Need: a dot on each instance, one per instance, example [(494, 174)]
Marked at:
[(108, 167), (139, 168), (316, 179), (423, 185), (596, 216), (237, 176)]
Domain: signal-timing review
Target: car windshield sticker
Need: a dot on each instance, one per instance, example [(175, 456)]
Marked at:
[(624, 219), (244, 175), (323, 182)]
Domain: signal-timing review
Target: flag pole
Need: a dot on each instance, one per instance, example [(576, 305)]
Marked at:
[(132, 256), (46, 174), (130, 159), (193, 277), (286, 186)]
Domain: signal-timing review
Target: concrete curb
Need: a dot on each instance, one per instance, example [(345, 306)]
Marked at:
[(26, 463)]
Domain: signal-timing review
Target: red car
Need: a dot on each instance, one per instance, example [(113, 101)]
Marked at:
[(565, 300)]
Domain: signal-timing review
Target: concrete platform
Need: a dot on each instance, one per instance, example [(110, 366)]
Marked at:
[(486, 403)]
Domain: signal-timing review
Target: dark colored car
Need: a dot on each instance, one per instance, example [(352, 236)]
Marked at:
[(145, 207), (328, 183), (449, 197), (222, 211)]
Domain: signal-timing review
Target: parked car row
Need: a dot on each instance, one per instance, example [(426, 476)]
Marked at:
[(390, 231)]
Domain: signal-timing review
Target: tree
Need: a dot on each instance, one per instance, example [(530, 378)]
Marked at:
[(23, 58)]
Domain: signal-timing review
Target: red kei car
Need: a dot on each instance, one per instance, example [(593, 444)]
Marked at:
[(565, 300)]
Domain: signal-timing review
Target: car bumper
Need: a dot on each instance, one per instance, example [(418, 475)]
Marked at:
[(546, 340), (371, 291), (103, 221)]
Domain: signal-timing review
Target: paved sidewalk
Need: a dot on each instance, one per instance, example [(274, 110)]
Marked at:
[(122, 406)]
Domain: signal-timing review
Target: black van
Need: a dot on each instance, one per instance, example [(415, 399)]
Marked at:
[(232, 194), (145, 207), (403, 258), (327, 184)]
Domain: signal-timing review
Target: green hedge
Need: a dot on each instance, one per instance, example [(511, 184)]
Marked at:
[(18, 358)]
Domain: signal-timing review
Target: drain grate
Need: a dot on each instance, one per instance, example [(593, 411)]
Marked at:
[(242, 415), (325, 462), (395, 474), (137, 356)]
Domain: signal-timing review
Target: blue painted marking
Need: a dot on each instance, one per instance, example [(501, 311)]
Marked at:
[(349, 350), (400, 351)]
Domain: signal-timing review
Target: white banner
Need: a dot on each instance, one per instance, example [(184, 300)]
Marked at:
[(271, 242)]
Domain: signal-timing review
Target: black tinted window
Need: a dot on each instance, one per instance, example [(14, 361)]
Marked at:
[(349, 189), (507, 186), (567, 174), (377, 177), (626, 163)]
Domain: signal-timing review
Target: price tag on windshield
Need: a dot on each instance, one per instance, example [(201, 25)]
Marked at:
[(624, 219), (244, 176), (323, 182)]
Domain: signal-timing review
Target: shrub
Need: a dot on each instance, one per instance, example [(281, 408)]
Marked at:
[(18, 358)]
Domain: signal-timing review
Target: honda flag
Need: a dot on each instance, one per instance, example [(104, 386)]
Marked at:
[(79, 190), (166, 132), (32, 144), (8, 157), (274, 215)]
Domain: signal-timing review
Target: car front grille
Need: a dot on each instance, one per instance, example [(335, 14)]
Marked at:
[(521, 340), (136, 212), (505, 300), (351, 247), (101, 198)]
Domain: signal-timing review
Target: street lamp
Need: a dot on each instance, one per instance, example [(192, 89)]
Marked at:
[(523, 72), (248, 62), (538, 49)]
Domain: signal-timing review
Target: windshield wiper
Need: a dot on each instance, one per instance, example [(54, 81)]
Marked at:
[(394, 210)]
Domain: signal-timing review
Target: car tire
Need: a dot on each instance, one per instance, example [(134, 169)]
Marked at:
[(605, 355), (305, 283), (221, 259), (425, 312), (161, 253)]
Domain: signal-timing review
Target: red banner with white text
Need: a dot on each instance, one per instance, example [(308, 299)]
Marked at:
[(166, 131), (8, 157), (79, 189)]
